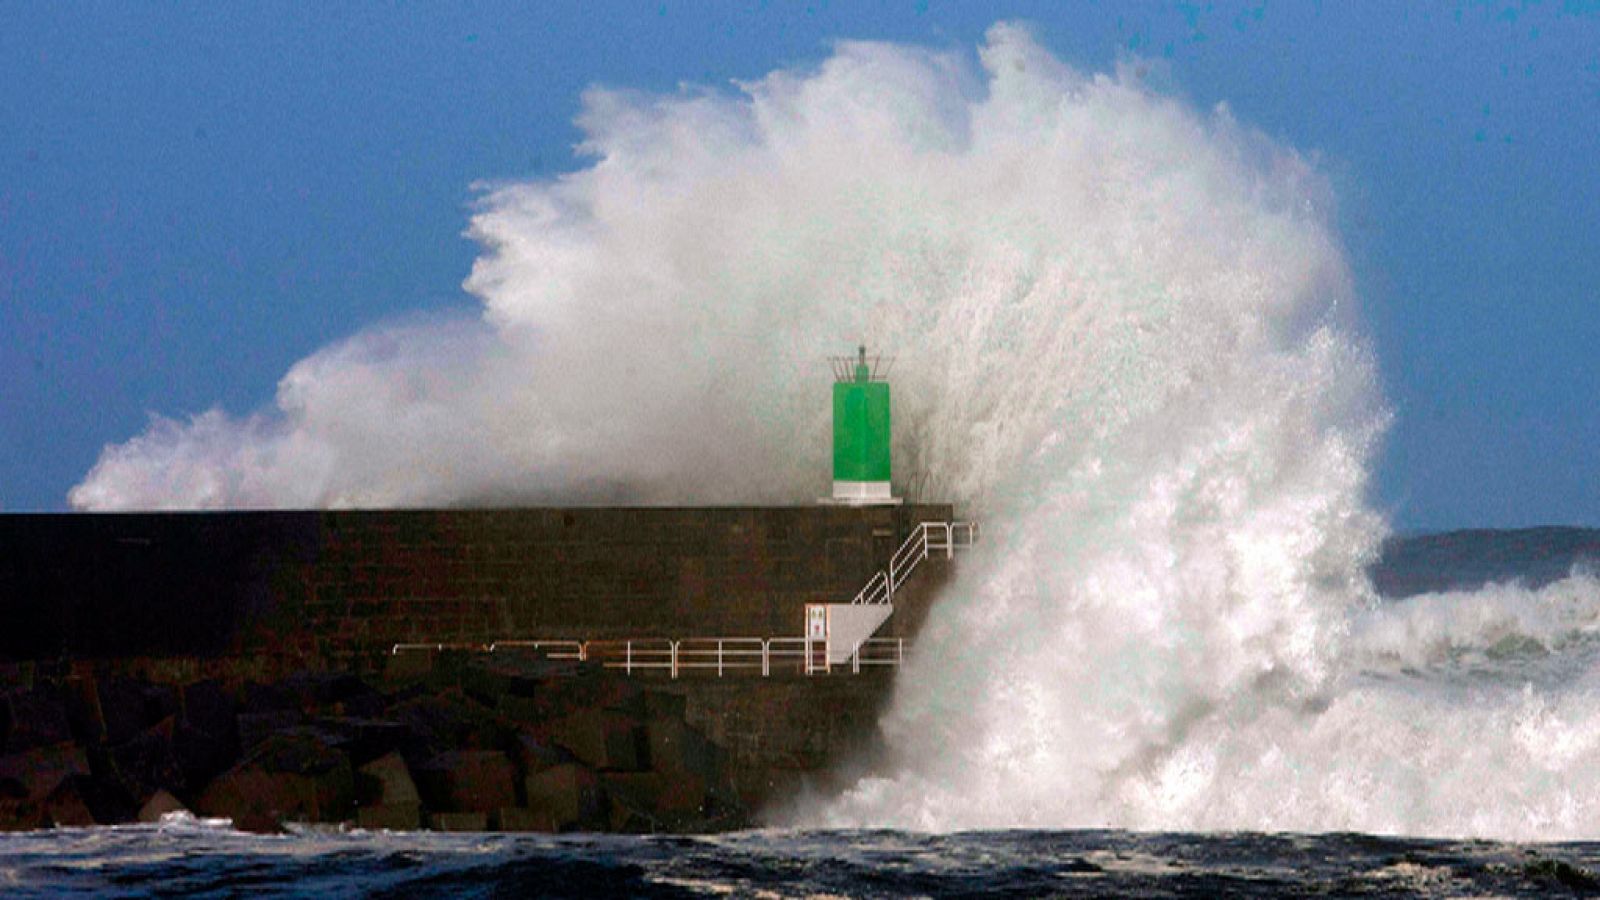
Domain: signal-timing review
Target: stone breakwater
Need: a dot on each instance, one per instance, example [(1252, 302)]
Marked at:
[(457, 742), (239, 665)]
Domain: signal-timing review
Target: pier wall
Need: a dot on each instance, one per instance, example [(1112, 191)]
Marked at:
[(335, 586), (244, 603)]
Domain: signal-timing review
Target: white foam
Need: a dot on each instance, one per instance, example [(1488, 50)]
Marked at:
[(179, 821), (1022, 236)]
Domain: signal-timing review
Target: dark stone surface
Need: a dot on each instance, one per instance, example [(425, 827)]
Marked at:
[(67, 806), (287, 778), (363, 740), (387, 782), (34, 717), (147, 763), (256, 727), (599, 751), (343, 586), (239, 664), (208, 707), (459, 821), (390, 817), (467, 781), (33, 773), (603, 739), (571, 796), (522, 818), (439, 723), (199, 755), (159, 804)]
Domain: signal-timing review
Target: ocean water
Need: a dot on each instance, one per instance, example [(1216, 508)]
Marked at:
[(185, 858)]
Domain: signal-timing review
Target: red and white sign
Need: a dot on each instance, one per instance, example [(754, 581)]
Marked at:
[(816, 622)]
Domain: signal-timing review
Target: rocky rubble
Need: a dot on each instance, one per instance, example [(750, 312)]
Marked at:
[(453, 742)]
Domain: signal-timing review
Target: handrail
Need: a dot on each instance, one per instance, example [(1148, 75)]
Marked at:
[(876, 590), (804, 650), (927, 537), (879, 652), (573, 649), (643, 654), (438, 647), (724, 655)]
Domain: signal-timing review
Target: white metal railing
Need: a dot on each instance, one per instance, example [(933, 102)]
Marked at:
[(926, 538), (878, 652), (572, 650), (801, 651), (743, 654), (440, 646), (724, 656), (641, 655)]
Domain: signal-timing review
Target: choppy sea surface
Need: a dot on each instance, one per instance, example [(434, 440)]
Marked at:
[(183, 857)]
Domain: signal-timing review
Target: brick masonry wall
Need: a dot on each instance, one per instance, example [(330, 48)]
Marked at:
[(338, 586)]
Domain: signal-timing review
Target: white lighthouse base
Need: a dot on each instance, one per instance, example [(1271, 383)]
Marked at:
[(862, 493)]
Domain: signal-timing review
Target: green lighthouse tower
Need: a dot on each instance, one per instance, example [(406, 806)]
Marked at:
[(860, 430)]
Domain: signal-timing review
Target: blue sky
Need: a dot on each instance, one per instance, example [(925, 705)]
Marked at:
[(194, 197)]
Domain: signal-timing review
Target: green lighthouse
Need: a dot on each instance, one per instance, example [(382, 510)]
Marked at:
[(860, 430)]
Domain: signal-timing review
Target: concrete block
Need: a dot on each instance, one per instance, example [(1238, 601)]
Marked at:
[(525, 710), (146, 763), (386, 781), (129, 706), (34, 718), (287, 778), (521, 818), (82, 699), (31, 774), (677, 747), (390, 817), (200, 755), (65, 806), (441, 722), (159, 804), (363, 739), (635, 800), (324, 690), (534, 755), (263, 698), (459, 821), (604, 739), (257, 727), (468, 781), (209, 707), (570, 794)]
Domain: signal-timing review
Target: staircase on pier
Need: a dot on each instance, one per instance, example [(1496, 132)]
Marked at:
[(835, 632)]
